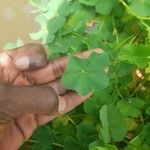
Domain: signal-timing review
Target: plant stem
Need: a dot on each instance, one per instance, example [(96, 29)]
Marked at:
[(141, 118), (134, 139), (117, 89), (72, 121), (58, 145)]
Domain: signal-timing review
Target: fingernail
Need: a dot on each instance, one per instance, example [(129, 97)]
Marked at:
[(62, 105), (22, 62)]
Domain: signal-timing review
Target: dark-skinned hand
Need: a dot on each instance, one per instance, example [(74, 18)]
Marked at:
[(31, 93)]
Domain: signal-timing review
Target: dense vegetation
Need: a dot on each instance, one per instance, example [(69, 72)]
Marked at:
[(117, 116)]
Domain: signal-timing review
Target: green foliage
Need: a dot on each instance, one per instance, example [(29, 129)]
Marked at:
[(12, 45), (107, 147), (113, 123), (43, 143), (70, 143), (145, 134), (140, 7), (88, 72), (95, 103), (116, 117), (131, 108), (51, 20), (138, 55), (99, 5)]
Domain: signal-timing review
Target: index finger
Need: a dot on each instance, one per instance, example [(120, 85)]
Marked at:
[(54, 69), (67, 102), (28, 57)]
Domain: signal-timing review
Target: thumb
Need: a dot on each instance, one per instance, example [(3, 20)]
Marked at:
[(30, 56), (15, 100), (27, 57)]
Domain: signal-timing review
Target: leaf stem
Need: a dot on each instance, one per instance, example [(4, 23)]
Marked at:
[(72, 121), (117, 89), (132, 40), (78, 115), (134, 139), (141, 118), (124, 41), (32, 141), (58, 145)]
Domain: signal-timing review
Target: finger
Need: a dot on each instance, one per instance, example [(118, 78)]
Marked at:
[(28, 57), (8, 71), (16, 100), (55, 68), (21, 128), (26, 123), (66, 103), (12, 138), (58, 87), (4, 126)]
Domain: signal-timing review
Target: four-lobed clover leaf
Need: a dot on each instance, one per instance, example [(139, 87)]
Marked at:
[(86, 75)]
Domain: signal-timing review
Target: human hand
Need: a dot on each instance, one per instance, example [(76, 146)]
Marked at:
[(34, 95)]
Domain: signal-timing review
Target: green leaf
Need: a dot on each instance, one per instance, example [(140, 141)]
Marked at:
[(94, 143), (71, 144), (98, 148), (40, 4), (137, 146), (131, 108), (13, 45), (148, 111), (101, 33), (86, 132), (51, 20), (94, 104), (57, 8), (105, 124), (79, 19), (105, 135), (139, 55), (48, 38), (140, 7), (87, 2), (117, 126), (131, 124), (111, 147), (37, 35), (144, 147), (106, 147), (145, 134), (42, 136), (66, 44), (63, 119), (55, 24), (123, 69), (88, 72), (104, 6)]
